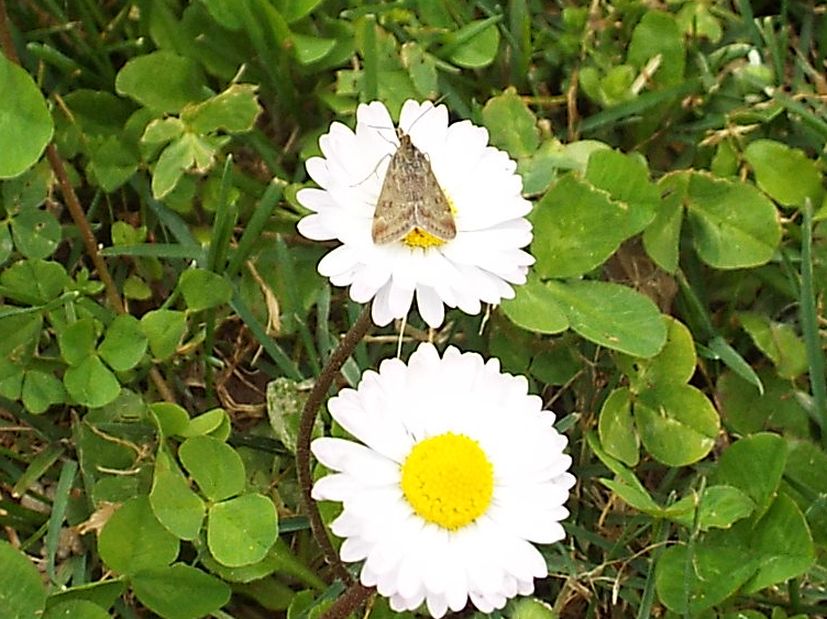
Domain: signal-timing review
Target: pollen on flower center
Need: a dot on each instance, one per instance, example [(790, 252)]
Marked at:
[(420, 238), (448, 480)]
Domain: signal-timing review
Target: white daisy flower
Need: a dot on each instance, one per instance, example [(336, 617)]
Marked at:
[(458, 471), (478, 264)]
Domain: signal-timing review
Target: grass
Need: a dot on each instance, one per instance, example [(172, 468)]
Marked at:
[(715, 77)]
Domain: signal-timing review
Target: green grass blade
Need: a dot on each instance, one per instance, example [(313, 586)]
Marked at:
[(661, 533), (520, 39), (455, 42), (323, 341), (809, 324), (807, 115), (639, 105), (157, 250), (720, 349), (169, 218), (269, 35), (61, 500), (37, 467), (748, 18), (275, 351), (253, 229), (225, 218), (370, 84)]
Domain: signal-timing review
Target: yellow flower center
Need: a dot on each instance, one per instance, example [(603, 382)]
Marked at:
[(448, 480), (420, 238)]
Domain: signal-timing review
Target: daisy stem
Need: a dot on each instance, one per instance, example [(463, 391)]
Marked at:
[(355, 595), (308, 419)]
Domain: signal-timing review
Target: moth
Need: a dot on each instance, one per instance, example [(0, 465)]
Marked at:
[(411, 198)]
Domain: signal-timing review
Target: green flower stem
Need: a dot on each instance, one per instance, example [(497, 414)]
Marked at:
[(308, 419)]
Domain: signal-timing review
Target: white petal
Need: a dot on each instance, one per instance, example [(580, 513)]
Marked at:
[(437, 604), (367, 282), (315, 199), (339, 260), (335, 488), (317, 170), (366, 465), (427, 125), (346, 524), (400, 299), (381, 311), (400, 603), (354, 549), (525, 587), (373, 115), (534, 525), (430, 306), (481, 602), (314, 228)]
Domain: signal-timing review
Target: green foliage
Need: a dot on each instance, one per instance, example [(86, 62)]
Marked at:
[(215, 467), (91, 383), (511, 124), (241, 530), (535, 308), (25, 123), (36, 233), (180, 591), (134, 540), (164, 330), (22, 593), (674, 156), (124, 344), (612, 315), (162, 81), (174, 503), (674, 421), (78, 609), (775, 164), (202, 289)]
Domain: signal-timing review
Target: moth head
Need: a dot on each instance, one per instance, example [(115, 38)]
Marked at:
[(404, 138)]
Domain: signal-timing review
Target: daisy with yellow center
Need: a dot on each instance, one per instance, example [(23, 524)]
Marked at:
[(457, 473), (479, 263)]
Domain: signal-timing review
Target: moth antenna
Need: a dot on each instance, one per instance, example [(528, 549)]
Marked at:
[(433, 106), (382, 135), (372, 172)]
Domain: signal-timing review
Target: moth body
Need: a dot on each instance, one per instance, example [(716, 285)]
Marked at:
[(411, 198)]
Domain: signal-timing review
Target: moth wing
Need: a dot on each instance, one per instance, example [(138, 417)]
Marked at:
[(433, 213), (394, 214)]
